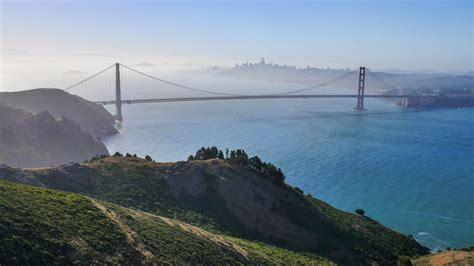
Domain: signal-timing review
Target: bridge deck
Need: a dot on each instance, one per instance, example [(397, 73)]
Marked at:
[(253, 97)]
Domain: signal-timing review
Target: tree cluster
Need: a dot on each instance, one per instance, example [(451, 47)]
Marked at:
[(240, 157), (207, 154)]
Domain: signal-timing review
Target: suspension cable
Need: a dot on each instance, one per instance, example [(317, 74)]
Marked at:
[(375, 76), (341, 77), (89, 78), (179, 85)]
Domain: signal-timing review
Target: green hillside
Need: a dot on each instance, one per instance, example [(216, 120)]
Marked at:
[(42, 226), (228, 198)]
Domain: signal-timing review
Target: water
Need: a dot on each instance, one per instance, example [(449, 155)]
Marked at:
[(411, 170)]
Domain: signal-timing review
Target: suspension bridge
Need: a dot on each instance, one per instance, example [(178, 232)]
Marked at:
[(120, 84)]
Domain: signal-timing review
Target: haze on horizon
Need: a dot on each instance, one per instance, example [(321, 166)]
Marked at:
[(54, 42)]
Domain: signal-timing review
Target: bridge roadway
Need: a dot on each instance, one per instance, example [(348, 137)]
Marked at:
[(253, 97)]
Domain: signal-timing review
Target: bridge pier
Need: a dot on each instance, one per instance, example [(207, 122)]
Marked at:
[(118, 94), (361, 90)]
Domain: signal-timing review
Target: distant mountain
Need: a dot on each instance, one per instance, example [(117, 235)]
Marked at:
[(39, 140), (226, 197), (48, 227), (91, 117)]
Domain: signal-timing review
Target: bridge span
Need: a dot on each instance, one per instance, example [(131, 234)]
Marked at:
[(252, 97), (198, 94)]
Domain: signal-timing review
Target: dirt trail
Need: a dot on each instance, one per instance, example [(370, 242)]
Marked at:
[(131, 235), (200, 233)]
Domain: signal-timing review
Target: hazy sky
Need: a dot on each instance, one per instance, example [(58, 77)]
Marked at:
[(79, 35)]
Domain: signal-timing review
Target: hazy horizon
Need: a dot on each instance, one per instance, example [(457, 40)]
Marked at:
[(73, 39)]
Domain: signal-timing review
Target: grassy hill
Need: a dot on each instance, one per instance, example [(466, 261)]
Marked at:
[(230, 199), (42, 226)]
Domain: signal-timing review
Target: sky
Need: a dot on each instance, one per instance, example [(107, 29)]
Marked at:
[(56, 38)]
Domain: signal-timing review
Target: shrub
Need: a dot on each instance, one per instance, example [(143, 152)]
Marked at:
[(404, 261), (360, 212), (299, 190)]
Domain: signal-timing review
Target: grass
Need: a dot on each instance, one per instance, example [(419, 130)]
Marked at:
[(42, 226), (142, 185)]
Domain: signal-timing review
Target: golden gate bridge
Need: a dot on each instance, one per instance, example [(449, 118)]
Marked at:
[(131, 86)]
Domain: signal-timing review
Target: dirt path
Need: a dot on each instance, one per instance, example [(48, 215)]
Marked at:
[(131, 235), (200, 233)]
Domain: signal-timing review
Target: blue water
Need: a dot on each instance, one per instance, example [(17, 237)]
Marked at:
[(411, 170)]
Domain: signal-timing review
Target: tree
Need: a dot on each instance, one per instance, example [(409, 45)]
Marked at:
[(207, 154), (118, 154), (148, 158), (360, 212), (256, 164)]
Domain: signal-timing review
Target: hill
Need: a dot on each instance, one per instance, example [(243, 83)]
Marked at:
[(453, 257), (91, 117), (38, 140), (228, 198), (45, 227)]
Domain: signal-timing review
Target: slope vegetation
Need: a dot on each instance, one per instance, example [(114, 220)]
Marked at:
[(41, 226), (227, 198)]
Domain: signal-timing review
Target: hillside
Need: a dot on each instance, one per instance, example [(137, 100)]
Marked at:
[(39, 140), (453, 257), (224, 197), (45, 227), (91, 117)]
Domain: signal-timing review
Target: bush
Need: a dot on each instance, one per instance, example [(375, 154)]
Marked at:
[(299, 190), (118, 154), (360, 212), (404, 261), (148, 158), (207, 154)]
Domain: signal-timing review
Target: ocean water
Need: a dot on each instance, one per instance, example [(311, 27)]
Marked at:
[(411, 170)]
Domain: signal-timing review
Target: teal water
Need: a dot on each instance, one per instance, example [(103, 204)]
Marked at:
[(411, 170)]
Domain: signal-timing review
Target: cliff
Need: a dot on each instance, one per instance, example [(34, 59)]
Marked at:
[(39, 140), (91, 117), (226, 198)]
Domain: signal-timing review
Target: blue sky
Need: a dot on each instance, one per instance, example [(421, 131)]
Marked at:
[(410, 35)]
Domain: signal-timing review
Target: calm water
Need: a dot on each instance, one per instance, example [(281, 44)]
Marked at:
[(411, 170)]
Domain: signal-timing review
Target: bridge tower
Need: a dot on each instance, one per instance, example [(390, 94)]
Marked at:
[(361, 90), (118, 94)]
